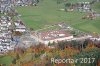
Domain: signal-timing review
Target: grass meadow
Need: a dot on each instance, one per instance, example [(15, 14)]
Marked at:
[(47, 13)]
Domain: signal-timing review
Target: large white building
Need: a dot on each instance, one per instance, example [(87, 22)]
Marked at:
[(19, 26), (53, 36)]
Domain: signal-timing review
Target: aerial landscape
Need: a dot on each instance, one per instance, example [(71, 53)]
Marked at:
[(49, 32)]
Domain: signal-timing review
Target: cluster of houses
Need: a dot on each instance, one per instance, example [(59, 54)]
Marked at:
[(3, 6), (25, 2), (80, 6), (20, 2), (5, 35), (7, 27), (84, 6), (7, 40), (8, 5)]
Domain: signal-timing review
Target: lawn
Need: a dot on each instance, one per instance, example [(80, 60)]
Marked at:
[(5, 60), (47, 13)]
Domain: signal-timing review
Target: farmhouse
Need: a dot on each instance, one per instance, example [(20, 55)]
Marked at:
[(53, 36), (84, 7)]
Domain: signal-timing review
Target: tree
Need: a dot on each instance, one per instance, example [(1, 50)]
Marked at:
[(14, 61), (60, 1), (67, 5), (61, 45), (17, 56), (93, 53)]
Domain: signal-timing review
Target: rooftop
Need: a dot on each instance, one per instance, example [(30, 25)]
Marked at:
[(55, 34)]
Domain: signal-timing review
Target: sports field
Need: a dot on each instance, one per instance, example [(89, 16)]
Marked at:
[(47, 13)]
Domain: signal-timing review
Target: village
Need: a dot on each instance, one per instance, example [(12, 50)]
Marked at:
[(15, 35), (9, 29)]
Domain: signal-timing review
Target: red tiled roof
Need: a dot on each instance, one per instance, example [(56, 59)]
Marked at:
[(51, 35)]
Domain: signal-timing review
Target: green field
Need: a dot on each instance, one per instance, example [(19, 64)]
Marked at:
[(6, 60), (47, 12)]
